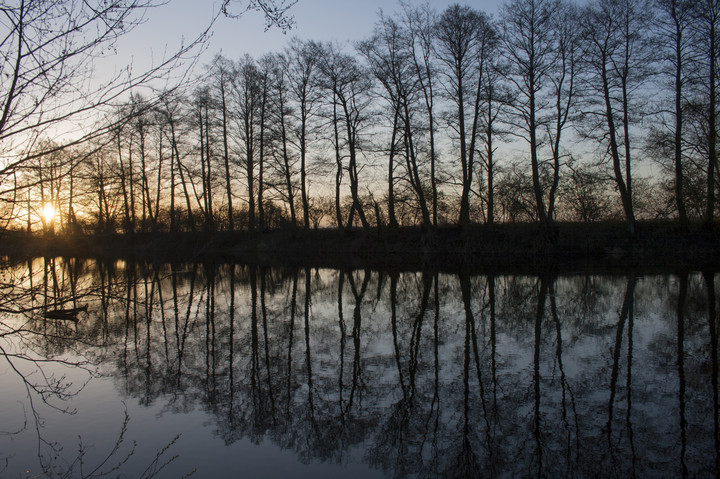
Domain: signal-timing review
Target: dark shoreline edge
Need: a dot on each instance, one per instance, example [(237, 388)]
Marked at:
[(480, 248)]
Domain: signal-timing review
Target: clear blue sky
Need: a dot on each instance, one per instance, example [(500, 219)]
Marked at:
[(321, 20)]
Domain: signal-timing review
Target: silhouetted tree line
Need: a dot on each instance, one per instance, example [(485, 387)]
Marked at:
[(543, 114)]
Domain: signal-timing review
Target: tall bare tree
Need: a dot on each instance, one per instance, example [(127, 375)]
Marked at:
[(302, 71), (420, 23), (223, 73), (281, 117), (617, 64), (346, 80), (673, 32), (465, 39), (707, 29), (391, 62), (529, 43), (203, 110), (563, 87), (248, 96)]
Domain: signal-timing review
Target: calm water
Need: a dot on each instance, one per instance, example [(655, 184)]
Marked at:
[(232, 371)]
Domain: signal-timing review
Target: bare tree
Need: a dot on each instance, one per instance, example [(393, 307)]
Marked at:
[(281, 116), (530, 33), (302, 71), (563, 80), (465, 39), (707, 26), (617, 63), (391, 62), (343, 76), (173, 114), (248, 100), (673, 32), (223, 75), (420, 23), (496, 99), (49, 81), (49, 51), (202, 110)]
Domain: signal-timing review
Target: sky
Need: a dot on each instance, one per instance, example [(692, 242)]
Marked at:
[(320, 20)]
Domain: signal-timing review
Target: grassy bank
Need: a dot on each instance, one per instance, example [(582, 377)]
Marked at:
[(504, 247)]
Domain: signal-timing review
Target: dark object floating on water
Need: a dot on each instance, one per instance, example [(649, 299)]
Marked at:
[(69, 313)]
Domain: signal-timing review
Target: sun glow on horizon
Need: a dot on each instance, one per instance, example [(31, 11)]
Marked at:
[(48, 213)]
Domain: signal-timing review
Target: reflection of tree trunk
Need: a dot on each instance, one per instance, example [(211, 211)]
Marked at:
[(45, 284), (393, 324), (105, 291), (566, 390), (291, 332), (149, 306), (161, 302), (357, 320), (626, 314), (210, 336), (680, 313), (537, 424), (493, 339), (266, 339), (308, 361), (255, 353), (180, 339), (628, 384), (467, 460), (73, 272), (493, 374), (231, 353), (343, 334), (435, 403), (130, 315), (417, 330), (712, 327), (471, 329)]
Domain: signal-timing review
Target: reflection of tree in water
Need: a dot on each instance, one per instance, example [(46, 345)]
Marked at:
[(50, 347), (419, 374)]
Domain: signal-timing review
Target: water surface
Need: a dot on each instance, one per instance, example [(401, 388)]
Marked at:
[(229, 370)]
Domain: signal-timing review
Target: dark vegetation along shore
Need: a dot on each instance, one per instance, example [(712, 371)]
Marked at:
[(508, 247)]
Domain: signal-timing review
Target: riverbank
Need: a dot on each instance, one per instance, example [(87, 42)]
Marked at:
[(480, 247)]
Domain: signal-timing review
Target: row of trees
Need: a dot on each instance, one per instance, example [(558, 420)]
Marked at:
[(454, 117)]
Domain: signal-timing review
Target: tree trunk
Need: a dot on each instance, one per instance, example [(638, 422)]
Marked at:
[(226, 158), (286, 162), (303, 165), (208, 159), (392, 219), (615, 154), (679, 180), (712, 121)]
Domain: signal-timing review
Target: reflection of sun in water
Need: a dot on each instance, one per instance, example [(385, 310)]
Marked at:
[(48, 212)]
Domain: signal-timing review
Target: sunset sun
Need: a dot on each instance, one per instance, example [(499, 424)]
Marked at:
[(48, 213)]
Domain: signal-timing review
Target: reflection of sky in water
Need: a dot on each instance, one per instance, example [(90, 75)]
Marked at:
[(358, 396)]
